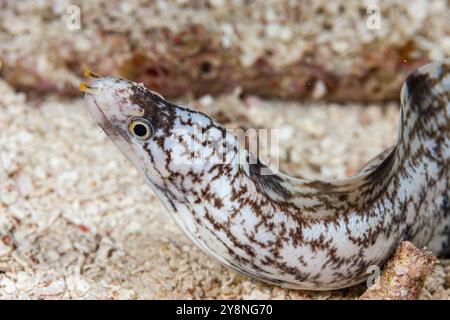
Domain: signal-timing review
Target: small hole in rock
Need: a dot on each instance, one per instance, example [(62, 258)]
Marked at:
[(206, 67)]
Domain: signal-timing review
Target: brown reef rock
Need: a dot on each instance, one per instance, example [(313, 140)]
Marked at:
[(284, 49), (404, 275)]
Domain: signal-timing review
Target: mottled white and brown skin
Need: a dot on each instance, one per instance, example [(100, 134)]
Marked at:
[(295, 233)]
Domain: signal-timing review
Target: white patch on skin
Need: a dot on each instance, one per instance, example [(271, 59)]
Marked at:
[(183, 115)]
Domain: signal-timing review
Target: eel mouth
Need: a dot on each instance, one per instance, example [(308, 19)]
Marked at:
[(99, 115), (94, 109)]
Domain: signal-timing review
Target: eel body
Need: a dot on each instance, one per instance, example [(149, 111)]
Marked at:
[(295, 233)]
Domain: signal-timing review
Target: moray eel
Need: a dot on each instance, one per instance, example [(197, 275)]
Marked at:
[(295, 233)]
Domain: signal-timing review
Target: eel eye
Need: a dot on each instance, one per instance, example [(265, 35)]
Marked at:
[(140, 129)]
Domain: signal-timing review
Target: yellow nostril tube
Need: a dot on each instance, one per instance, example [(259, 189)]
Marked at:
[(91, 75), (85, 88)]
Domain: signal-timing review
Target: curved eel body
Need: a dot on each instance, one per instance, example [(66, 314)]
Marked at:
[(295, 233)]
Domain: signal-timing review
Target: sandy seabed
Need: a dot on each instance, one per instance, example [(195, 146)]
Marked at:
[(77, 221)]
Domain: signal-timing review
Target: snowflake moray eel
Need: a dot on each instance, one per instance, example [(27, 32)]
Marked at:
[(295, 233)]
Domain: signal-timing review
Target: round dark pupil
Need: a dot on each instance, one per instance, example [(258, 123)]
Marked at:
[(140, 130)]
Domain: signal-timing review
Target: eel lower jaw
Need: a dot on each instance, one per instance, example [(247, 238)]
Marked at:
[(96, 112), (108, 127)]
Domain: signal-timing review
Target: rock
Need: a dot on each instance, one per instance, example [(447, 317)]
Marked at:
[(404, 275)]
